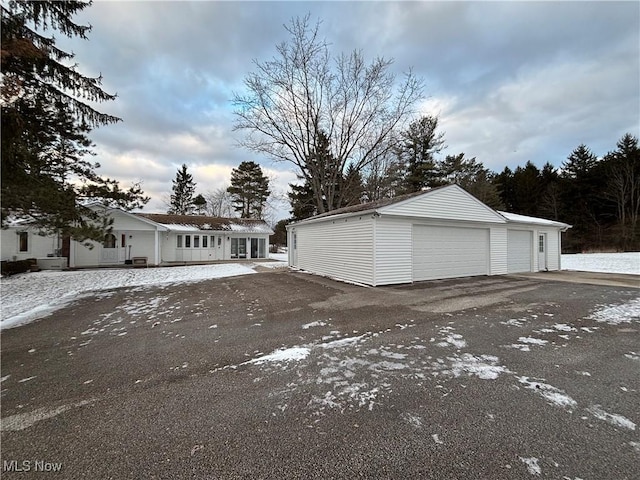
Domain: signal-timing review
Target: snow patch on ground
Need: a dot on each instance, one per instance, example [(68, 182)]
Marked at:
[(553, 395), (30, 296), (14, 423), (617, 314), (532, 465), (612, 418), (482, 366), (532, 341), (318, 323), (628, 262), (283, 355)]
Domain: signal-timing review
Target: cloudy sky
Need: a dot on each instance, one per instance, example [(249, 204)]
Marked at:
[(510, 82)]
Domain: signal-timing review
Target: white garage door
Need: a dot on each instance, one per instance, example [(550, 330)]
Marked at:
[(519, 244), (449, 252)]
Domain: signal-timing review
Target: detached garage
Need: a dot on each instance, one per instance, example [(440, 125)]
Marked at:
[(440, 233)]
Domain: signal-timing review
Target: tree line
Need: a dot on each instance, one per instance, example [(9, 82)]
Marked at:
[(598, 196), (245, 197)]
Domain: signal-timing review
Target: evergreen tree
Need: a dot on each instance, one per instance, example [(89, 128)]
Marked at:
[(582, 188), (249, 189), (302, 201), (183, 190), (419, 143), (46, 118), (200, 204), (352, 187)]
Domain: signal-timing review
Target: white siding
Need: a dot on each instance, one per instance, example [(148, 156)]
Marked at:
[(126, 222), (520, 250), (449, 252), (498, 246), (337, 248), (142, 245), (393, 251), (449, 203), (38, 246)]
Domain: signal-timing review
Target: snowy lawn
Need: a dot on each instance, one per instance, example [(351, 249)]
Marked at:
[(628, 262), (30, 296)]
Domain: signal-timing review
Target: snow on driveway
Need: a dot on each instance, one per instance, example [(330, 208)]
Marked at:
[(30, 296)]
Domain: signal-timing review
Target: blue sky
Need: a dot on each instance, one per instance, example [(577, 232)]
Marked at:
[(511, 82)]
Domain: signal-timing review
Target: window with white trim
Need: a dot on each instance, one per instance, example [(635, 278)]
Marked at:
[(179, 241), (196, 241), (187, 241), (204, 241)]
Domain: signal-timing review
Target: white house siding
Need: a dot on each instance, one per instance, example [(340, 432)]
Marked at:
[(340, 248), (448, 204), (126, 222), (520, 250), (142, 245), (392, 251), (498, 244), (449, 252), (38, 246)]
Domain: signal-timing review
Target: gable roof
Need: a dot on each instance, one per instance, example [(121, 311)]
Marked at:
[(203, 222), (407, 205)]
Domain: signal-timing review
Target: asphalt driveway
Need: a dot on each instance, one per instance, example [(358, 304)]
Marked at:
[(288, 375)]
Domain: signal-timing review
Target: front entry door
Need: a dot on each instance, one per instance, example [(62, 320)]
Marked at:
[(109, 249), (542, 252), (254, 248)]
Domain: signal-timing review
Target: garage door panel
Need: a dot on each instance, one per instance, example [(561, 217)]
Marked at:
[(449, 252), (519, 250)]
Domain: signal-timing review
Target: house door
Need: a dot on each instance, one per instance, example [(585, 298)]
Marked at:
[(109, 249), (542, 251), (254, 248)]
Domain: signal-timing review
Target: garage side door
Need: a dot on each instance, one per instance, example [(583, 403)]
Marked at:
[(519, 244), (449, 252)]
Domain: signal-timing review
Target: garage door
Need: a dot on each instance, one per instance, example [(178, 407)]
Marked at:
[(519, 244), (449, 252)]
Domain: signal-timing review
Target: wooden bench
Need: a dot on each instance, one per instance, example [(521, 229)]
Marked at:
[(139, 261)]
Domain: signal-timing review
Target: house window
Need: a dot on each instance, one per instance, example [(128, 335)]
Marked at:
[(123, 240), (204, 241), (213, 241), (541, 243), (219, 241), (179, 241), (109, 241), (261, 248), (187, 241), (23, 240), (196, 241)]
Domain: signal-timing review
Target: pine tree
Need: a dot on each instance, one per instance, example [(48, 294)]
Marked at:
[(200, 204), (250, 190), (183, 190), (46, 119), (420, 142)]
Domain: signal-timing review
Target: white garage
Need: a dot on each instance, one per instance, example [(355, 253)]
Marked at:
[(440, 233), (449, 252), (519, 250)]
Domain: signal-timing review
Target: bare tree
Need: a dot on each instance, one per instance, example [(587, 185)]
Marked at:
[(303, 95), (623, 186), (219, 203)]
